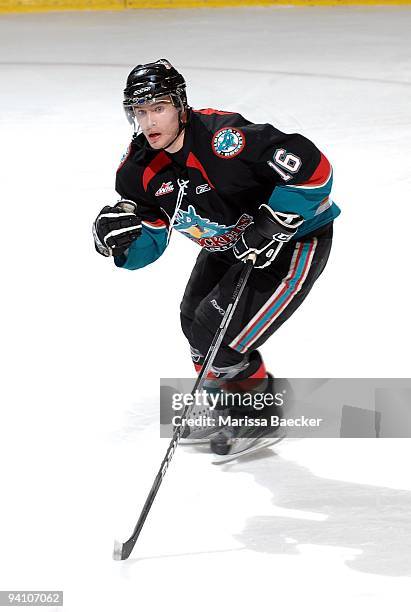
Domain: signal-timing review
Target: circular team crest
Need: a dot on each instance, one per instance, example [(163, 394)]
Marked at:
[(228, 142)]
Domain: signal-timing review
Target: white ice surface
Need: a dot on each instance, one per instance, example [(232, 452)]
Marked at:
[(320, 525)]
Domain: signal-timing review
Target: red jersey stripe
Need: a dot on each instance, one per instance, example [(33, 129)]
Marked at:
[(157, 223), (193, 162), (158, 163), (212, 111), (321, 174)]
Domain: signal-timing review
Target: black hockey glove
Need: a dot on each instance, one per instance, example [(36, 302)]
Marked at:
[(266, 235), (116, 227)]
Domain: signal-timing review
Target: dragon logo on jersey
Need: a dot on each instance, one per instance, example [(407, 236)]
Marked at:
[(211, 235), (228, 142)]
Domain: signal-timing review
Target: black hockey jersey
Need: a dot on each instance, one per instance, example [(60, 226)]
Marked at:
[(211, 189)]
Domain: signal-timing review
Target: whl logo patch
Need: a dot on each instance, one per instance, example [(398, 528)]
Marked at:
[(165, 188)]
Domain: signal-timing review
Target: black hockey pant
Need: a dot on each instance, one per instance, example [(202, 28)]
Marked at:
[(271, 296)]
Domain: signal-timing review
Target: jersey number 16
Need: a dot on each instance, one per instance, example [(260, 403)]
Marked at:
[(285, 160)]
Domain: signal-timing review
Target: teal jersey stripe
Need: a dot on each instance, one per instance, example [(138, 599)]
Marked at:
[(322, 219), (313, 204), (146, 249), (279, 302)]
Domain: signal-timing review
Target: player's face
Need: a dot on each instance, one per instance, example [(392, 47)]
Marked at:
[(158, 122)]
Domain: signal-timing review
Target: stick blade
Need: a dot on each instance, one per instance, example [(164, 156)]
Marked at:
[(118, 551), (122, 551)]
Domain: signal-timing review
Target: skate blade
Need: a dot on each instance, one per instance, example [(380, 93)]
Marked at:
[(193, 442), (248, 451)]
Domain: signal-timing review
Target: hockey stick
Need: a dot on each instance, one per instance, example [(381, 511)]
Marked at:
[(122, 550)]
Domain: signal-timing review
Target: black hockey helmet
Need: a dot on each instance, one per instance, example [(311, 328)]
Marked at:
[(146, 82)]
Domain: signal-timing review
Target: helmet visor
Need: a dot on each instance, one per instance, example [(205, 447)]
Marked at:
[(132, 108)]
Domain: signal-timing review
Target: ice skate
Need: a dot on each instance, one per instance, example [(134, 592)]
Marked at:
[(247, 431)]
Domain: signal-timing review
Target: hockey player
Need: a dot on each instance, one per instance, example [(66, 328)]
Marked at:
[(235, 188)]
